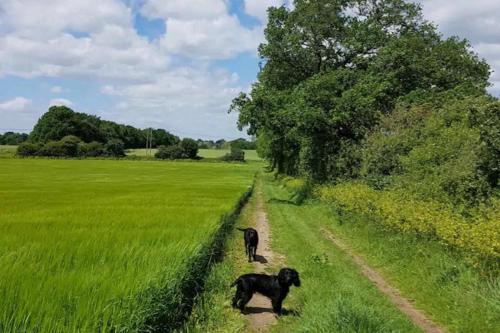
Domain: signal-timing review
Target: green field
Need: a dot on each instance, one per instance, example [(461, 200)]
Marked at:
[(7, 151), (250, 155), (102, 245)]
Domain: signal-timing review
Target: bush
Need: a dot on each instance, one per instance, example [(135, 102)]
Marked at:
[(479, 234), (236, 154), (115, 148), (92, 149), (26, 149), (189, 148), (70, 145), (171, 152), (52, 149)]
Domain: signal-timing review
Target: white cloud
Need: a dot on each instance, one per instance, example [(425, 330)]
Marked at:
[(258, 8), (60, 102), (16, 104), (184, 10), (478, 21), (218, 38)]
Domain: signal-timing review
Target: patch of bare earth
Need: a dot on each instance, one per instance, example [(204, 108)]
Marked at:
[(404, 305), (259, 310)]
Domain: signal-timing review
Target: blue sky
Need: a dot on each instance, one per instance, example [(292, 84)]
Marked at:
[(172, 64)]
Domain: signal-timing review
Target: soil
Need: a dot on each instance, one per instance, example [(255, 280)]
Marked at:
[(259, 310)]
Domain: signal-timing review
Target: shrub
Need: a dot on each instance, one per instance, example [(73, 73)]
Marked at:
[(236, 154), (26, 149), (92, 149), (479, 234), (171, 152), (52, 149), (70, 146), (189, 148), (115, 148)]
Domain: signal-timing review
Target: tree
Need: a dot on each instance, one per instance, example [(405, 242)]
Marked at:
[(189, 148), (115, 148), (171, 152), (332, 68)]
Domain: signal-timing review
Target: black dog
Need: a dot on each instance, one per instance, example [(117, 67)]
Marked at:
[(274, 287), (251, 241)]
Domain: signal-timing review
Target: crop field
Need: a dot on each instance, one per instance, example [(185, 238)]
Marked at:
[(250, 155), (7, 151), (89, 245)]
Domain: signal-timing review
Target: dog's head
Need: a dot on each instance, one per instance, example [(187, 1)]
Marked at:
[(288, 276)]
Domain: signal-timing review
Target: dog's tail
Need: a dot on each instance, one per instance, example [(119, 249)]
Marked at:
[(235, 283), (241, 229)]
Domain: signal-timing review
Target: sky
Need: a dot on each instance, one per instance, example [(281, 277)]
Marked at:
[(172, 64)]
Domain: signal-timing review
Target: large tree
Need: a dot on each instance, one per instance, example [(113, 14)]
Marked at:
[(333, 67)]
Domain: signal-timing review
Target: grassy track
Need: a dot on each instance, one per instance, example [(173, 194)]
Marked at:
[(250, 155), (441, 282), (334, 296), (97, 245)]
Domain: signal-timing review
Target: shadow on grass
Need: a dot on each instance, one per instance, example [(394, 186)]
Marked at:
[(260, 259), (282, 201), (257, 309)]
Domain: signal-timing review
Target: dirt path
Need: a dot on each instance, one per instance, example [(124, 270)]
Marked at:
[(259, 310), (403, 304)]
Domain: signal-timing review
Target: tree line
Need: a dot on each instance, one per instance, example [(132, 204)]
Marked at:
[(12, 138), (358, 89), (62, 132)]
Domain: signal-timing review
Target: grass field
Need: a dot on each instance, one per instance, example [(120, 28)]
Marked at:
[(250, 155), (7, 151), (89, 245)]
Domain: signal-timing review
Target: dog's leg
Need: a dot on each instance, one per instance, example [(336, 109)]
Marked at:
[(249, 253), (245, 298), (254, 253), (277, 303), (237, 297)]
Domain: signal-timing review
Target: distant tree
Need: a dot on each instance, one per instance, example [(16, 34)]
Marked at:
[(189, 148), (236, 154), (115, 148), (12, 138), (171, 152)]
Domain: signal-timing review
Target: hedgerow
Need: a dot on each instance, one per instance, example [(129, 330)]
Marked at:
[(477, 234)]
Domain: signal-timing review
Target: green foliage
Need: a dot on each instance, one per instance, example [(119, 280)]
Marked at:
[(333, 68), (115, 148), (92, 149), (27, 149), (243, 144), (12, 139), (478, 234), (445, 153), (236, 154), (189, 148), (170, 152), (61, 121)]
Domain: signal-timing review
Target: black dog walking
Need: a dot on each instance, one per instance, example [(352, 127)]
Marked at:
[(251, 241), (275, 287)]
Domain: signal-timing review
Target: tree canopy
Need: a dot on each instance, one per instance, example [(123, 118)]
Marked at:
[(333, 68), (61, 121)]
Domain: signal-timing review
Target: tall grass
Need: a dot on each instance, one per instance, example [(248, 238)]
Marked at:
[(107, 245)]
